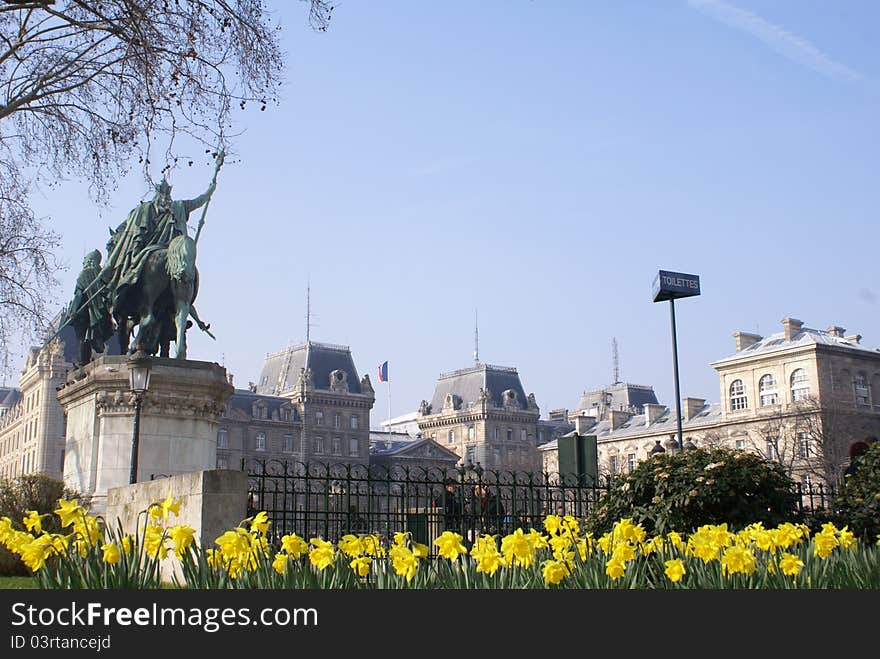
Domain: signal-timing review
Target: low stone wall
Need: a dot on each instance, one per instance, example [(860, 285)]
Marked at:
[(211, 502)]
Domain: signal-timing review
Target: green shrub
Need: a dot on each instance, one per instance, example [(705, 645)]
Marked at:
[(30, 492), (858, 504), (684, 491)]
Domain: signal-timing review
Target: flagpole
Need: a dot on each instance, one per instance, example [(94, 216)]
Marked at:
[(388, 382)]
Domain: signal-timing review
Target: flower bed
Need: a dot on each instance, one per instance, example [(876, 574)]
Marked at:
[(93, 555)]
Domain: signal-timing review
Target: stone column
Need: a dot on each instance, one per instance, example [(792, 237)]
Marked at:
[(178, 422)]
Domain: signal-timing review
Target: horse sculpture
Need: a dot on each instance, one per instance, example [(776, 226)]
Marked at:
[(162, 300)]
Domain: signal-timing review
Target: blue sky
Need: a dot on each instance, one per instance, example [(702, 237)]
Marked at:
[(539, 161)]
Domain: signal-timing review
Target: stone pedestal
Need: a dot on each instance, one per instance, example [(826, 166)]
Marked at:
[(178, 422)]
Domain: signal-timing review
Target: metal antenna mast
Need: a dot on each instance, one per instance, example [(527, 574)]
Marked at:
[(615, 360)]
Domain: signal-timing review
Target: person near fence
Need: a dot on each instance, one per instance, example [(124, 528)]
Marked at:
[(491, 510), (450, 502)]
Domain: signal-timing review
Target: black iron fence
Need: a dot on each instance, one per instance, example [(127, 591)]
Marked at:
[(332, 500)]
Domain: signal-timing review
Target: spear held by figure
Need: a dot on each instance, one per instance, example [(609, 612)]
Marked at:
[(220, 156)]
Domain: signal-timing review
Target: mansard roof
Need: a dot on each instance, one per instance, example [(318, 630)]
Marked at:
[(466, 383), (244, 400), (623, 396), (281, 370), (9, 396), (806, 336)]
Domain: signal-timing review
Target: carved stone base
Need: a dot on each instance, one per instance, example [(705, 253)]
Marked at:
[(178, 422)]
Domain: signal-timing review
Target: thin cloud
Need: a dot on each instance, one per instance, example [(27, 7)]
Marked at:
[(787, 44)]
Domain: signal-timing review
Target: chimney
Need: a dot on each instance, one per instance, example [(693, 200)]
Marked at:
[(691, 407), (582, 423), (835, 330), (745, 339), (791, 326), (653, 411), (853, 338), (617, 418)]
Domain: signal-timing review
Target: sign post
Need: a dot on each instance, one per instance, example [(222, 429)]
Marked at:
[(669, 286)]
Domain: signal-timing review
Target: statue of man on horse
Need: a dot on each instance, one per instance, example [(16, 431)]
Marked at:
[(149, 279)]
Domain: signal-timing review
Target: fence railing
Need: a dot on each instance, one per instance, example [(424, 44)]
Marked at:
[(332, 500), (328, 500)]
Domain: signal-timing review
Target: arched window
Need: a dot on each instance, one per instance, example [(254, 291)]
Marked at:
[(800, 386), (260, 441), (738, 399), (860, 380), (767, 390)]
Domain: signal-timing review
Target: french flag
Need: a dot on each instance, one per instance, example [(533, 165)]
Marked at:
[(383, 372)]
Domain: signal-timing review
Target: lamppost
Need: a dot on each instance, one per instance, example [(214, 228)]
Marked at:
[(669, 286), (139, 381)]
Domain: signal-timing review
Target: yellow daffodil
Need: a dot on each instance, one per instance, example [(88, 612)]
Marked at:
[(790, 564), (126, 544), (260, 523), (322, 554), (419, 550), (552, 524), (154, 541), (361, 566), (351, 546), (615, 568), (846, 538), (33, 522), (450, 545), (517, 549), (5, 529), (280, 562), (824, 543), (737, 560), (182, 536), (69, 512), (403, 561), (111, 553), (554, 572), (34, 553), (674, 570), (294, 545), (161, 510)]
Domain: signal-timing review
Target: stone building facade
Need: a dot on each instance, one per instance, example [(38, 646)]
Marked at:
[(801, 396), (308, 406), (484, 416), (32, 422)]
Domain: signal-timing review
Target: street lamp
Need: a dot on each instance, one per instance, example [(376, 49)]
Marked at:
[(139, 381)]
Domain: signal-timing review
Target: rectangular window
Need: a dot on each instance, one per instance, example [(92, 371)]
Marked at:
[(772, 452), (470, 433), (222, 438), (288, 443), (769, 399), (354, 422), (260, 441), (495, 434), (741, 445), (803, 445), (631, 461), (523, 435), (336, 446), (318, 446), (354, 447), (612, 464), (319, 418), (452, 437), (496, 455), (510, 434), (337, 420), (469, 454)]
